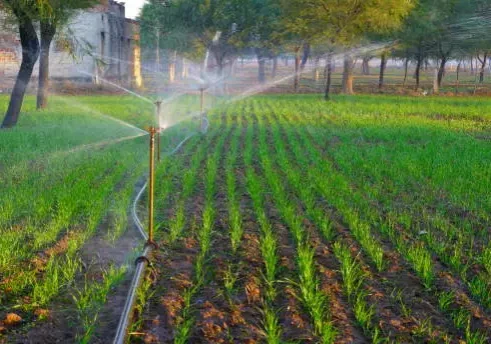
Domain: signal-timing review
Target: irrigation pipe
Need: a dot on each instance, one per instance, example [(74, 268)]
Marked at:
[(141, 261)]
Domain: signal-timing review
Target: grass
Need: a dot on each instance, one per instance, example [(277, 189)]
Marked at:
[(68, 174)]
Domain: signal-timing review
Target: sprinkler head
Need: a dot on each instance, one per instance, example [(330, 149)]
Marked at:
[(152, 130)]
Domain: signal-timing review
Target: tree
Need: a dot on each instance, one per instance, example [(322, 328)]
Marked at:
[(346, 23), (30, 53), (298, 33), (414, 38), (259, 31), (50, 14), (213, 25), (444, 20), (439, 30), (53, 14), (476, 38), (163, 32)]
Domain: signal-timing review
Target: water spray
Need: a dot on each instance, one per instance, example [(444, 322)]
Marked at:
[(158, 107), (202, 113), (202, 99)]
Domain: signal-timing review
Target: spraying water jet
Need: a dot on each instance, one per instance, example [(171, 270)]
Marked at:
[(202, 108), (158, 108)]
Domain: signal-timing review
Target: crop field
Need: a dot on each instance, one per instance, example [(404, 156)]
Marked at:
[(292, 220)]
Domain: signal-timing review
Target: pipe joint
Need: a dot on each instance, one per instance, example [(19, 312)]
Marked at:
[(143, 259), (151, 243)]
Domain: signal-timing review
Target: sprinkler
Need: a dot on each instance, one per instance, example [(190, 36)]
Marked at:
[(151, 181)]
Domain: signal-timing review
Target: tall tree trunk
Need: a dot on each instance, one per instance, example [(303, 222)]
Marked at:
[(157, 49), (172, 67), (261, 62), (275, 67), (48, 31), (328, 77), (316, 69), (348, 75), (184, 69), (418, 71), (383, 65), (30, 53), (305, 55), (233, 67), (365, 66), (441, 71), (483, 67), (406, 65), (436, 86), (220, 59), (296, 80), (178, 72), (458, 81)]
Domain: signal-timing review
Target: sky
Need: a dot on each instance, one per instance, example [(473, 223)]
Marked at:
[(133, 7)]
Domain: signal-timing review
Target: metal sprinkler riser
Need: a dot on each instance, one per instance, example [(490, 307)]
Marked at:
[(151, 182)]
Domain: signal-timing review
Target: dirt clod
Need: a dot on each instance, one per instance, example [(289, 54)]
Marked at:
[(12, 319), (42, 313)]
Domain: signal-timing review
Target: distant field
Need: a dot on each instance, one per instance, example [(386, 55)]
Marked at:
[(293, 220)]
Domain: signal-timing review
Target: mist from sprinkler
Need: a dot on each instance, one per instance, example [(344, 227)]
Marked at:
[(73, 102), (119, 87), (335, 57)]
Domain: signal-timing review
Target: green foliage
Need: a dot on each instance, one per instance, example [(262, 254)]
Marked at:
[(54, 12), (343, 22)]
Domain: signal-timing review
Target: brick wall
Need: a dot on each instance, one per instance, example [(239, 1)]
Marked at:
[(8, 56)]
